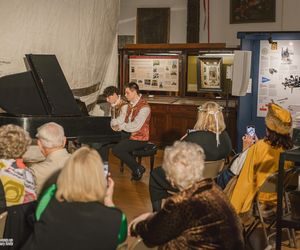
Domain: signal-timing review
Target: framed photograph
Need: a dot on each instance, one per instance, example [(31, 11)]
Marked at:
[(153, 25), (209, 74), (258, 11)]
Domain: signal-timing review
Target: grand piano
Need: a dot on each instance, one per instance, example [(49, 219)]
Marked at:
[(42, 95)]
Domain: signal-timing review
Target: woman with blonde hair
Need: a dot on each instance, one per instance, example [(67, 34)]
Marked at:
[(198, 217), (209, 133), (78, 212)]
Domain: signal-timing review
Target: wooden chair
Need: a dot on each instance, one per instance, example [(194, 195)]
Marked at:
[(3, 217)]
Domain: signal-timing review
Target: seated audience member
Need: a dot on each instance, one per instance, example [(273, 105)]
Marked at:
[(198, 217), (17, 180), (262, 159), (136, 125), (209, 132), (51, 141), (78, 212), (18, 195)]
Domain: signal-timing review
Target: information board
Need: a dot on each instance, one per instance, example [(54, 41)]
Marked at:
[(158, 73), (279, 72)]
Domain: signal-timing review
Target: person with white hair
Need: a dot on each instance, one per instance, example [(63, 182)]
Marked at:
[(199, 216), (51, 141)]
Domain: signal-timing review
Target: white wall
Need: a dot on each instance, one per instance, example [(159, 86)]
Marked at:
[(222, 31), (287, 19)]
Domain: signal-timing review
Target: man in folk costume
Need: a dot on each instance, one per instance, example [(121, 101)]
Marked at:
[(262, 159), (136, 124)]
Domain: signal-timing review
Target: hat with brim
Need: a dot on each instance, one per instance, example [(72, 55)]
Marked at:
[(278, 119)]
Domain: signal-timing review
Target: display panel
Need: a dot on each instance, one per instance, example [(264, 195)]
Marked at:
[(279, 73), (155, 73)]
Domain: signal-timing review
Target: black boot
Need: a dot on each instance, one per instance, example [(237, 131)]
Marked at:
[(138, 174)]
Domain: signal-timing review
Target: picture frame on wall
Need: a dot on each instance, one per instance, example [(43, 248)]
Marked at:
[(153, 25), (258, 11), (209, 74)]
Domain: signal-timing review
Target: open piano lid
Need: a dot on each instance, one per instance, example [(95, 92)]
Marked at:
[(43, 90)]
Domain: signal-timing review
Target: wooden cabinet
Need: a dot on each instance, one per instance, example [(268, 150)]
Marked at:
[(169, 122)]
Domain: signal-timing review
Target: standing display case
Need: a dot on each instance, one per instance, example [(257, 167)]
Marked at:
[(176, 79)]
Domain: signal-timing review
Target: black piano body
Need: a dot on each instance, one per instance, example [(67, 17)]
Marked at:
[(42, 95)]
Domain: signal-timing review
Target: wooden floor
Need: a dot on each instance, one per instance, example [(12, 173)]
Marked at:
[(133, 197)]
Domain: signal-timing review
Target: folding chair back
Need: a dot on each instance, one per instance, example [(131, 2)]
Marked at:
[(138, 244), (270, 186), (3, 217), (212, 168)]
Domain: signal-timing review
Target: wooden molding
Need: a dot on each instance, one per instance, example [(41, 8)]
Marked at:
[(171, 46)]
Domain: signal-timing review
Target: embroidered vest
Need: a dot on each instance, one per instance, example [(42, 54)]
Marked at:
[(143, 133), (116, 110)]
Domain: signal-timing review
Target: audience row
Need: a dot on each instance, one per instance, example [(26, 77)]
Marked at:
[(75, 208)]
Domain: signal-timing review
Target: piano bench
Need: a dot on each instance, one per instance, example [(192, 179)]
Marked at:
[(149, 150)]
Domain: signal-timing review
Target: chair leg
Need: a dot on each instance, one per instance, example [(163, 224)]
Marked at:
[(294, 238), (262, 222), (151, 163), (291, 242), (140, 160), (250, 229), (122, 167)]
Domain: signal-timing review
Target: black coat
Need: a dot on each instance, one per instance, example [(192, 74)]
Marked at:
[(76, 226), (207, 140)]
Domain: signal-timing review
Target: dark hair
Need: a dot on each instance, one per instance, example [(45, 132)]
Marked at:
[(278, 140), (132, 86), (110, 90)]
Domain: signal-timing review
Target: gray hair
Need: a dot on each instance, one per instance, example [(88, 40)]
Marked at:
[(184, 164), (14, 141), (51, 135)]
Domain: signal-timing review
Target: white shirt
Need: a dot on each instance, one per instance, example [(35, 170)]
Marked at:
[(139, 120), (238, 163)]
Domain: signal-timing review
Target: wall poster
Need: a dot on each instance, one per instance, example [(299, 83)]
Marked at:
[(279, 75), (155, 72)]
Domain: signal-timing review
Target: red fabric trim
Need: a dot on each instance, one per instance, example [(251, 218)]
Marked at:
[(20, 163)]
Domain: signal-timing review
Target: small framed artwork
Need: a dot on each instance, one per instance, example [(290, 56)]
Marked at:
[(153, 25), (209, 74), (258, 11)]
